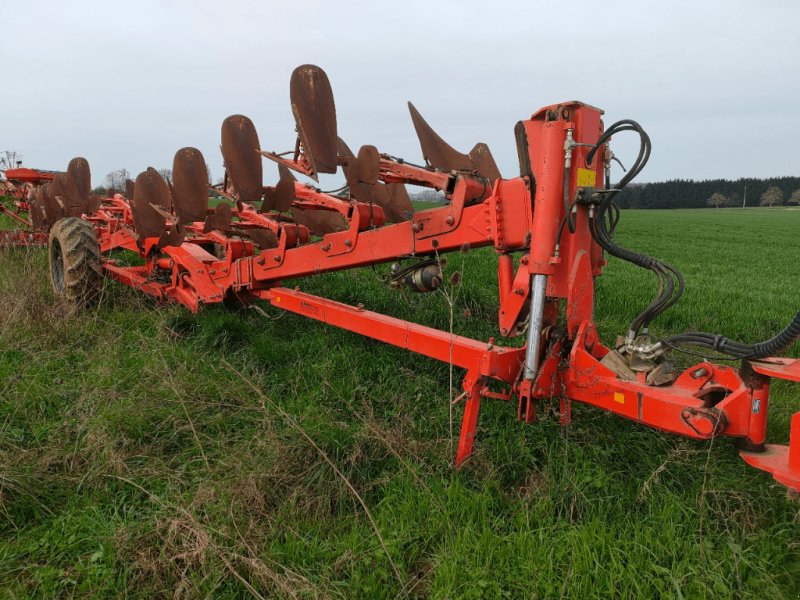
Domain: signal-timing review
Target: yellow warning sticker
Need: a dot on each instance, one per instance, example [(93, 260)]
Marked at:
[(586, 178), (619, 397)]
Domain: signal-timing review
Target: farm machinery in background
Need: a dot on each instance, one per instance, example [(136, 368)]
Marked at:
[(19, 187), (551, 228)]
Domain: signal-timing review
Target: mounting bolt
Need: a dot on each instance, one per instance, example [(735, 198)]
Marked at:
[(260, 260), (449, 220), (360, 306), (277, 258), (519, 291), (348, 243), (701, 372), (326, 247), (524, 260)]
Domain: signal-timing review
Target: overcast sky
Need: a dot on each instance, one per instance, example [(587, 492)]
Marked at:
[(125, 84)]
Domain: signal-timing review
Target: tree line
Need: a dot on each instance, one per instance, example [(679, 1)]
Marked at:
[(687, 193), (114, 182), (676, 193)]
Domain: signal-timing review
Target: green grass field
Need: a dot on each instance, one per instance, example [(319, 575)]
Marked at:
[(148, 452)]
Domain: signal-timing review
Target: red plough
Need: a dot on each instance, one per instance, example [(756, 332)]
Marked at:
[(551, 228), (20, 186)]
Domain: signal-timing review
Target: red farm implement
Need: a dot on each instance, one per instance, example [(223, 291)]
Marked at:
[(20, 185), (551, 228)]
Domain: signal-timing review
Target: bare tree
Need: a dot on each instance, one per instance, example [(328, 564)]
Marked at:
[(166, 174), (115, 181), (208, 172), (716, 200), (772, 197), (9, 159)]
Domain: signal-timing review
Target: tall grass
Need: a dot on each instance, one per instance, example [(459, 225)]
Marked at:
[(148, 452)]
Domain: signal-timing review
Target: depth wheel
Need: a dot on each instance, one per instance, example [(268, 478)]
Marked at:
[(74, 254)]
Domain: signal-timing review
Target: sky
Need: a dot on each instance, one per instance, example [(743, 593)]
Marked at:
[(126, 84)]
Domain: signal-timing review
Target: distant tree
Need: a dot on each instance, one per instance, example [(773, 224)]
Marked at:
[(208, 172), (794, 198), (100, 191), (772, 197), (716, 200), (9, 159), (166, 174), (115, 181)]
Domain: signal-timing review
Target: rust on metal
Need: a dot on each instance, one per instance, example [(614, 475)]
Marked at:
[(320, 222), (150, 193), (220, 219), (172, 237), (483, 162), (369, 165), (94, 204), (347, 159), (240, 152), (52, 207), (315, 115), (400, 208), (38, 217), (190, 185), (281, 196), (436, 151), (79, 186), (360, 172), (284, 194), (59, 188), (263, 238)]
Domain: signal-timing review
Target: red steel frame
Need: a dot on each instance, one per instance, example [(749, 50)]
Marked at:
[(520, 217), (27, 236)]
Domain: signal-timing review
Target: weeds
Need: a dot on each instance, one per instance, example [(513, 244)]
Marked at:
[(139, 456)]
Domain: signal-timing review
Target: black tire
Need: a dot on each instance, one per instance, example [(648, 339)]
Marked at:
[(75, 271)]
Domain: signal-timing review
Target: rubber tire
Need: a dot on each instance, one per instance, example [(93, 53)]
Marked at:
[(74, 256)]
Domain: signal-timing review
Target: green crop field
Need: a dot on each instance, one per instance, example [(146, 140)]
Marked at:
[(148, 452)]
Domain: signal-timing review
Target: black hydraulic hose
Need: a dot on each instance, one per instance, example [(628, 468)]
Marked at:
[(774, 345), (671, 282)]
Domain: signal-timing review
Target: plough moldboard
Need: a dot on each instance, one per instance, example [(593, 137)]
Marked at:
[(551, 228)]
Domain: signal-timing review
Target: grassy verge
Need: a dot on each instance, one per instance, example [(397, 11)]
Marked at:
[(145, 451)]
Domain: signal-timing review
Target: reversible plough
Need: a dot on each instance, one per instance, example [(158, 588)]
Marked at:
[(20, 186), (551, 229)]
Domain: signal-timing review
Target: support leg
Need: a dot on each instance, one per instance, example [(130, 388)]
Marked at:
[(472, 405)]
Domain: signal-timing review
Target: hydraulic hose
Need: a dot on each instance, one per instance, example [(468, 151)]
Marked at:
[(671, 283), (774, 345)]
